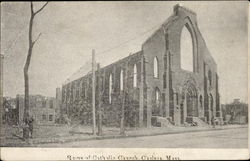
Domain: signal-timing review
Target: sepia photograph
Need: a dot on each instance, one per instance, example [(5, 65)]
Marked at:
[(124, 74)]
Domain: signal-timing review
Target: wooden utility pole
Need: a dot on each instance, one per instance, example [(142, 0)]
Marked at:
[(93, 91), (100, 94), (122, 130), (124, 92)]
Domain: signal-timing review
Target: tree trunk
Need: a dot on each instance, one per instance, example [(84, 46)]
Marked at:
[(27, 63), (26, 70), (26, 97)]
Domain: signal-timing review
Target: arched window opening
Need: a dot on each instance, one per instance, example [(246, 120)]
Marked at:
[(156, 111), (157, 97), (211, 102), (135, 76), (156, 74), (177, 98), (121, 80), (186, 50), (110, 87), (201, 100), (210, 77)]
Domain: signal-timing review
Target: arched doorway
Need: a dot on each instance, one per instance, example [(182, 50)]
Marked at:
[(156, 111), (191, 100), (211, 104)]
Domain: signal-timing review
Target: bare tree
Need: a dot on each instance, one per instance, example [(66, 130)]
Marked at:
[(27, 63)]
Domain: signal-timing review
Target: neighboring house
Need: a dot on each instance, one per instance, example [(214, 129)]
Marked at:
[(235, 112), (10, 112), (43, 109), (58, 104), (1, 89), (173, 78)]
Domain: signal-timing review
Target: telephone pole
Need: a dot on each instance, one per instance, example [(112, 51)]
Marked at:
[(124, 94), (93, 91), (100, 94)]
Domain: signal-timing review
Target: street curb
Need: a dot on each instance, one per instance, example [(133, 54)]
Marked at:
[(130, 136)]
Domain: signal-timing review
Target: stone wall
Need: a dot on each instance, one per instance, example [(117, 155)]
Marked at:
[(165, 43), (77, 95), (163, 88)]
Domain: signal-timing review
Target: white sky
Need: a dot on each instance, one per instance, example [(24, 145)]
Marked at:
[(70, 30)]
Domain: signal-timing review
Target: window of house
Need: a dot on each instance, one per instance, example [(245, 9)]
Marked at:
[(186, 50), (44, 103), (51, 104), (44, 117), (135, 76), (50, 117), (121, 80), (156, 74), (110, 87)]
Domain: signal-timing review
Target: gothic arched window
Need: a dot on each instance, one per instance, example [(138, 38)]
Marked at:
[(157, 102), (157, 97), (110, 87), (135, 76), (156, 70), (186, 49), (121, 80)]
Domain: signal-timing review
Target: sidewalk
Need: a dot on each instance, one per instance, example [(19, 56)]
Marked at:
[(64, 133), (130, 133)]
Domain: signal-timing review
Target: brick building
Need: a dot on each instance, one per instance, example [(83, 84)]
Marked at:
[(43, 109), (10, 112), (173, 79), (1, 88), (235, 112)]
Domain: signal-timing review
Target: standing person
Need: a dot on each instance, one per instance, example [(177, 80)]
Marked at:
[(25, 127), (30, 124), (213, 121)]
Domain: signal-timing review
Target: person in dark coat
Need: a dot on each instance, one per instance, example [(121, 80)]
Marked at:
[(213, 121), (26, 128), (30, 124)]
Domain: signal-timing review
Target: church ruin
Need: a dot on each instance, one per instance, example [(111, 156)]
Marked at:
[(172, 80)]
